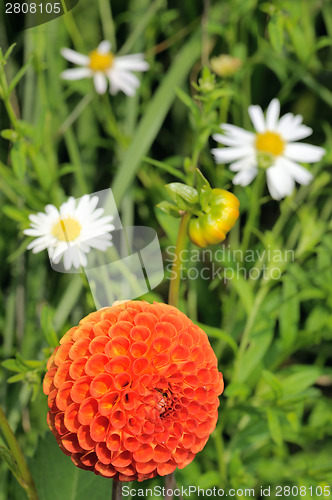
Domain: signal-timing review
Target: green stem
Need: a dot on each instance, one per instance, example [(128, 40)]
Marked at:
[(173, 294), (25, 479), (253, 209), (107, 22), (116, 490)]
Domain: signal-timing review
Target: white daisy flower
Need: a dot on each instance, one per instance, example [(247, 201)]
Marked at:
[(71, 231), (272, 147), (103, 65)]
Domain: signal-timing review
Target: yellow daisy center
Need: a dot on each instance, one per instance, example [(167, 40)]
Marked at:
[(100, 62), (66, 229), (269, 142)]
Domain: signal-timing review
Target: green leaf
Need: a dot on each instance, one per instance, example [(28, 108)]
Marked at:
[(202, 182), (298, 382), (274, 426), (165, 167), (18, 77), (15, 214), (276, 33), (9, 135), (48, 329), (217, 333), (169, 208), (7, 456), (57, 478), (13, 365), (273, 382), (16, 378), (185, 192), (9, 51), (154, 116), (289, 313)]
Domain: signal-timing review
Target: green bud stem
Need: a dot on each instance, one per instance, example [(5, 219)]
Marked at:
[(173, 295), (24, 476)]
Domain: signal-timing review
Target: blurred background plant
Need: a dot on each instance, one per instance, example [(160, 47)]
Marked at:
[(272, 329)]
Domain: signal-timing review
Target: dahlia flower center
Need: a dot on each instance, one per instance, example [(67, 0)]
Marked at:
[(270, 142), (100, 62), (67, 229)]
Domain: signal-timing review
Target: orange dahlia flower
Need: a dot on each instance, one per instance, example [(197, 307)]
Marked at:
[(133, 391)]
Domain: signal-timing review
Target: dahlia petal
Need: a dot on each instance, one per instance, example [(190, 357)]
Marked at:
[(62, 374), (63, 396), (118, 419), (70, 442), (140, 333), (104, 454), (138, 349), (70, 419), (145, 467), (100, 385), (80, 389), (105, 470), (107, 402), (166, 468), (146, 319), (122, 381), (98, 428), (84, 438), (87, 411), (144, 454), (117, 346), (96, 364), (122, 460), (59, 423), (113, 441), (89, 459), (80, 348)]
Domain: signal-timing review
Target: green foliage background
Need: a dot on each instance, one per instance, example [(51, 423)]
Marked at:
[(272, 336)]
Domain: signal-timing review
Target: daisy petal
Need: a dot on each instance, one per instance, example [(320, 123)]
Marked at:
[(104, 47), (272, 114), (100, 83), (118, 81), (226, 155), (75, 57), (76, 73), (245, 177), (243, 164), (229, 140), (298, 133), (304, 152), (257, 118), (279, 182), (299, 173), (233, 130), (134, 62)]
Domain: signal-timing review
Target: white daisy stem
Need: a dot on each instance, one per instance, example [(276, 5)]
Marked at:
[(254, 209), (111, 123)]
